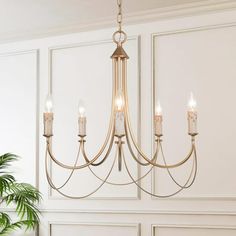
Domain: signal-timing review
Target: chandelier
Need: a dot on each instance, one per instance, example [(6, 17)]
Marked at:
[(120, 134)]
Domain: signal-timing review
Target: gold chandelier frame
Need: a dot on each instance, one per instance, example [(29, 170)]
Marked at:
[(118, 139)]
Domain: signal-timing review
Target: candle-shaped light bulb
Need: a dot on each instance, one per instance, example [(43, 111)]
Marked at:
[(192, 103), (120, 116), (81, 108), (158, 109), (82, 119), (119, 101), (192, 115), (158, 120), (48, 104), (48, 117)]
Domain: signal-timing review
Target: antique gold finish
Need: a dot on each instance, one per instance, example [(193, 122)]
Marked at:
[(119, 134)]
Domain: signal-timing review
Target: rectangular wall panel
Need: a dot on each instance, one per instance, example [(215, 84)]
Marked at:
[(201, 61), (84, 72), (193, 230), (88, 229), (18, 102)]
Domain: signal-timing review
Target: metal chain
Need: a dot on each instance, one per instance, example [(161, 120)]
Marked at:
[(119, 15), (119, 37)]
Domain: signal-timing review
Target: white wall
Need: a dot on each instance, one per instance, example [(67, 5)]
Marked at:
[(193, 53)]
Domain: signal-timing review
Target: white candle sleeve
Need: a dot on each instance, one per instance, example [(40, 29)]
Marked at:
[(119, 124), (82, 126), (158, 125), (192, 122), (48, 124)]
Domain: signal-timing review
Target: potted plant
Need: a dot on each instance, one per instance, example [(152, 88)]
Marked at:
[(23, 197)]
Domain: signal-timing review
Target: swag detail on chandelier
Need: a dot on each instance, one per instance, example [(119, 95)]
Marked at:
[(120, 133)]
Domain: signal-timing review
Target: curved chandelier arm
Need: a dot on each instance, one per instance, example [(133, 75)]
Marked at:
[(110, 131), (106, 155), (67, 166), (194, 168), (152, 194), (108, 136), (129, 130), (146, 158), (76, 197), (153, 160), (72, 171), (121, 184), (89, 162)]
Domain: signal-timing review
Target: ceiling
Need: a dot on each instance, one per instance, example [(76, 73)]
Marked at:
[(38, 18)]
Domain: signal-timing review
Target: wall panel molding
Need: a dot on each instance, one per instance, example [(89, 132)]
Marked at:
[(190, 226), (36, 53), (142, 212), (136, 39), (154, 40), (137, 227), (136, 212), (19, 52), (35, 156)]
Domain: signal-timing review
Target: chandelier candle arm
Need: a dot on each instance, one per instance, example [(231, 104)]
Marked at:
[(157, 195), (82, 141), (70, 196), (77, 167), (139, 150), (193, 170)]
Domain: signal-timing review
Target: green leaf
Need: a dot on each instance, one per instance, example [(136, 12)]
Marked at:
[(4, 220), (24, 197), (6, 159), (5, 181)]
